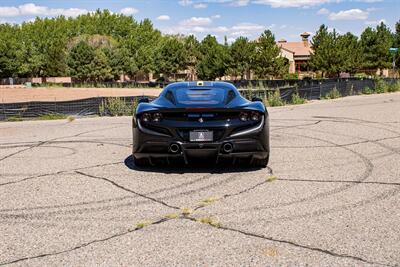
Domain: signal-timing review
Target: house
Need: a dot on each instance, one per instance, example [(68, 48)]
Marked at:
[(297, 53)]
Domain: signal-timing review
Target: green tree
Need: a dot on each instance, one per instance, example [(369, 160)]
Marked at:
[(122, 62), (375, 44), (80, 61), (9, 51), (214, 60), (327, 56), (241, 52), (192, 48), (100, 69), (349, 53), (142, 44), (321, 44), (170, 56), (267, 59)]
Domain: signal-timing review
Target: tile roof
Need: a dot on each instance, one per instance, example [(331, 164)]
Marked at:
[(297, 48)]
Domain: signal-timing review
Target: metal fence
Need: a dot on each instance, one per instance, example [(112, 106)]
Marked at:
[(81, 107), (85, 107), (318, 89)]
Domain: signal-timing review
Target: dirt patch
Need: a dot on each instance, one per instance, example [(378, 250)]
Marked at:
[(14, 95)]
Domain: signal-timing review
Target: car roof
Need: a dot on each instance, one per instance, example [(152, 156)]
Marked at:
[(200, 84)]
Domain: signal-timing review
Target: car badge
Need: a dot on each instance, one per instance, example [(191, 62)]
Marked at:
[(201, 120)]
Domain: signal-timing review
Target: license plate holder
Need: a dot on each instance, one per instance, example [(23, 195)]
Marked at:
[(201, 136)]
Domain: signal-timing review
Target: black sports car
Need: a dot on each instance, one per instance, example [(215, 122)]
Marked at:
[(194, 121)]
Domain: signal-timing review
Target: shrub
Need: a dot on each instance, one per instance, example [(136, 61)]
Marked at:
[(292, 76), (367, 91), (117, 106), (274, 99), (297, 99), (334, 93), (381, 86), (247, 93), (395, 87)]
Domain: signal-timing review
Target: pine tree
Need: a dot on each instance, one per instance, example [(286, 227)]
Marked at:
[(267, 59)]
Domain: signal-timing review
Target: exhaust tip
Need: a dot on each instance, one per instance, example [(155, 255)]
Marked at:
[(227, 148), (174, 148)]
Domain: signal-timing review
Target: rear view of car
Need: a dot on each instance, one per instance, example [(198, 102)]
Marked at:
[(196, 121)]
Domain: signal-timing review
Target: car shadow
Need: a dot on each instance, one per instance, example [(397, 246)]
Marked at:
[(205, 167)]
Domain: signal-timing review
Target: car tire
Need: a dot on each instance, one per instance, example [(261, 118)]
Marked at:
[(260, 163), (143, 162)]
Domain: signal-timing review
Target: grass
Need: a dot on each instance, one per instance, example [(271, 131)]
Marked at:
[(14, 118), (54, 116), (172, 216), (297, 99), (270, 252), (186, 211), (210, 221), (271, 178), (382, 87), (117, 106), (274, 99), (70, 119), (208, 201), (143, 224)]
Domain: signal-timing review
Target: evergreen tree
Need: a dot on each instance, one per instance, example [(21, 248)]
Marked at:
[(321, 43), (80, 61), (170, 56), (241, 52), (191, 47), (375, 44), (214, 60), (267, 59), (349, 52)]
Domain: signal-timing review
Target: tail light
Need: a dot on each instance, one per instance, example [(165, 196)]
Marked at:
[(157, 117), (253, 116), (243, 116), (151, 117), (146, 117)]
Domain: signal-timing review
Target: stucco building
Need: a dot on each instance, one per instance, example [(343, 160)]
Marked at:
[(297, 53)]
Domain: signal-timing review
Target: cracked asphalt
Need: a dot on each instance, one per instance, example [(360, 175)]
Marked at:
[(70, 195)]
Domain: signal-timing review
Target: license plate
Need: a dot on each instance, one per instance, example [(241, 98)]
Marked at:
[(201, 136)]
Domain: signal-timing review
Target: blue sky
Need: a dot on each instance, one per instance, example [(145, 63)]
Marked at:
[(231, 18)]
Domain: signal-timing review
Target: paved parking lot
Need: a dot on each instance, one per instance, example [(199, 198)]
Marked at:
[(71, 196)]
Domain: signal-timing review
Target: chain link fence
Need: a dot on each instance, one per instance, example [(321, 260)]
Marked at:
[(93, 106)]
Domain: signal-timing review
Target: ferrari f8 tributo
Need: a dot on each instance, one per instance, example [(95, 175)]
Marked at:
[(195, 121)]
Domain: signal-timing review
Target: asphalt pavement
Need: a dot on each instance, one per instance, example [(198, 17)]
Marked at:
[(70, 194)]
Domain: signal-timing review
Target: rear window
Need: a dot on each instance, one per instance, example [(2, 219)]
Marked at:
[(210, 96)]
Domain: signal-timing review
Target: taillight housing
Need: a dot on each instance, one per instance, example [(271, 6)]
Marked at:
[(157, 117), (151, 117), (243, 116), (250, 116), (255, 116), (146, 117)]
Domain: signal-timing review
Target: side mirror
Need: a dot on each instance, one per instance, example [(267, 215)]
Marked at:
[(256, 99), (144, 100)]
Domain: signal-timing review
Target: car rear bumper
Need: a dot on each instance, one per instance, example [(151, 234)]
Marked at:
[(189, 152)]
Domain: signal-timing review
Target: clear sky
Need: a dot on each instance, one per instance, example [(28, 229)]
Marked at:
[(231, 18)]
